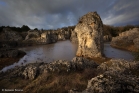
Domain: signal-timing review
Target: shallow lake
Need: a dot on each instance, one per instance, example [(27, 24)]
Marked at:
[(62, 50)]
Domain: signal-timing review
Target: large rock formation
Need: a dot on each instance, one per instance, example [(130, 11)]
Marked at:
[(90, 35), (127, 40), (74, 39)]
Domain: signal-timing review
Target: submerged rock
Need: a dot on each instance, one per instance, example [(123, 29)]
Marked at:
[(90, 35)]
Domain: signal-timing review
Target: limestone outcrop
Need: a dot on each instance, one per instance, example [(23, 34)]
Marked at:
[(48, 37), (9, 35), (32, 70), (11, 39), (116, 76), (74, 39), (32, 34), (128, 40), (90, 35)]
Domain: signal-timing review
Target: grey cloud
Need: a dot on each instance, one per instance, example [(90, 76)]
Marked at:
[(54, 14)]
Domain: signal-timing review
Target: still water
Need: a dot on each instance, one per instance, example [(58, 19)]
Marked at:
[(62, 50)]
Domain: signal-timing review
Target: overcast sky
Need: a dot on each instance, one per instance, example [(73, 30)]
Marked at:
[(52, 14)]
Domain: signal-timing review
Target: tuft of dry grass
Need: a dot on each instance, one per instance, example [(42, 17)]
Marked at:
[(99, 60)]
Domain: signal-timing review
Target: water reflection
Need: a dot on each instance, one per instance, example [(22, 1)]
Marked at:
[(117, 53)]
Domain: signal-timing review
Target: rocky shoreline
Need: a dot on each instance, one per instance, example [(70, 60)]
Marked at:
[(127, 40), (112, 76), (12, 39)]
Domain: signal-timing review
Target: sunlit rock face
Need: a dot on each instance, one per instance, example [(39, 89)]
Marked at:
[(90, 35), (49, 37), (32, 34)]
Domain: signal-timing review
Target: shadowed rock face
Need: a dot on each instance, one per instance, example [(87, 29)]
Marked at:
[(9, 35), (90, 35)]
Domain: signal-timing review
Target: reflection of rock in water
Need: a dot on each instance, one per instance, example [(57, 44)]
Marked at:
[(25, 61), (66, 54)]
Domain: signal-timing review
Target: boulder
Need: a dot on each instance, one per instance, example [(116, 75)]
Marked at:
[(30, 72), (90, 35)]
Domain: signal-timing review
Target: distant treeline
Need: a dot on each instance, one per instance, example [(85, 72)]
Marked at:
[(23, 28), (26, 28), (108, 30)]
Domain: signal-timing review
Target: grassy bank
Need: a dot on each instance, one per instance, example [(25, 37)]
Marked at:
[(51, 82)]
